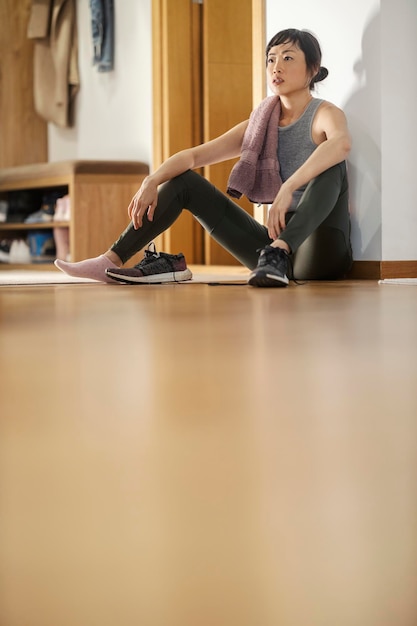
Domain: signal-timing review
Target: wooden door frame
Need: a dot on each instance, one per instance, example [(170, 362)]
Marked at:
[(258, 50), (260, 212), (175, 59)]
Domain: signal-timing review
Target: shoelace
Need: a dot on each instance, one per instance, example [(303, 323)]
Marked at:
[(290, 268), (150, 255)]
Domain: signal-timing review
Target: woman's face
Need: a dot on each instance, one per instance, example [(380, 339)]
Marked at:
[(287, 70)]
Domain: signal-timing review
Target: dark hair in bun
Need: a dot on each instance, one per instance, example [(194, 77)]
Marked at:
[(321, 75), (308, 43)]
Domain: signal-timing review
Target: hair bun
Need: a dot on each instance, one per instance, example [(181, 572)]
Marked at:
[(321, 74)]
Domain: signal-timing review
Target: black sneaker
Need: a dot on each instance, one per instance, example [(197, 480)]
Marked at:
[(272, 268), (155, 267)]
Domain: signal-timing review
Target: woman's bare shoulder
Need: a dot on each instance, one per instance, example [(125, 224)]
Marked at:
[(328, 121), (329, 108)]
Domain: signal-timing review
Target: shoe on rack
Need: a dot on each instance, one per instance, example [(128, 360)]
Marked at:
[(22, 203), (61, 237), (5, 245), (4, 208), (47, 209), (155, 267), (19, 252), (272, 268), (62, 209), (44, 215), (42, 246)]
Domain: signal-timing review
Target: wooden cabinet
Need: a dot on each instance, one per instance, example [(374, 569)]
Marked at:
[(99, 191)]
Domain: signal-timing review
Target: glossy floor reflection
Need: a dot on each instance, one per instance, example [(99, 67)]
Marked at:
[(188, 455)]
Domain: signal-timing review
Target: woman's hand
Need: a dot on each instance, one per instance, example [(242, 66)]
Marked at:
[(278, 210), (144, 201), (225, 147)]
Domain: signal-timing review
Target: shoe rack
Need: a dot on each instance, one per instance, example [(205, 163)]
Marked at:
[(99, 194)]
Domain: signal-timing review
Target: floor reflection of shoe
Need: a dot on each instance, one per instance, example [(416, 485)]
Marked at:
[(155, 267)]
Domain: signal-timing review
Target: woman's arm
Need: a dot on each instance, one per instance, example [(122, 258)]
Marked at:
[(225, 147), (330, 131)]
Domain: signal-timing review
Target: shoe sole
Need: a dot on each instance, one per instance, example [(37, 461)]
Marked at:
[(263, 279), (154, 279)]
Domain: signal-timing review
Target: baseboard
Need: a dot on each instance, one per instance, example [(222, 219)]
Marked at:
[(398, 269), (365, 270), (374, 270)]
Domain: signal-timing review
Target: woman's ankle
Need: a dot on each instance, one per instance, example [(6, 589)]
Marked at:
[(113, 257), (280, 243)]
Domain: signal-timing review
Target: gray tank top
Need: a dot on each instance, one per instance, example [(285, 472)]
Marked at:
[(295, 145)]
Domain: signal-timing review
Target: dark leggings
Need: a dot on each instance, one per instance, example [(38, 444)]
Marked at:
[(318, 233)]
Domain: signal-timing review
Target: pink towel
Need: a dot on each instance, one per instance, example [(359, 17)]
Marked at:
[(256, 174)]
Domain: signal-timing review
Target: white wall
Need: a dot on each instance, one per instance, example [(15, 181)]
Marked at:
[(370, 49), (349, 37), (113, 110), (399, 129)]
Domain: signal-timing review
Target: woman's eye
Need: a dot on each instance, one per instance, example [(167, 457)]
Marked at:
[(288, 58)]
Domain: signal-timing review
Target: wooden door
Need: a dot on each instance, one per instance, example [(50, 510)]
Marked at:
[(23, 134), (177, 103), (202, 54), (227, 81)]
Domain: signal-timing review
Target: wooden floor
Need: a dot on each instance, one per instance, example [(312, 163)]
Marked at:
[(195, 455)]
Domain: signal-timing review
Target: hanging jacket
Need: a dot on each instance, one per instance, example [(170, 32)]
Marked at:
[(102, 32), (52, 25)]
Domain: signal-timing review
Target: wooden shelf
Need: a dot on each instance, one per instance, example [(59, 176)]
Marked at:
[(5, 226), (99, 191)]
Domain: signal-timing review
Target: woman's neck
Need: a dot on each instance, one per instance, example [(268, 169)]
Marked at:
[(293, 107)]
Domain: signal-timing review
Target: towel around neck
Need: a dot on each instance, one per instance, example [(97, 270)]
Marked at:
[(257, 174)]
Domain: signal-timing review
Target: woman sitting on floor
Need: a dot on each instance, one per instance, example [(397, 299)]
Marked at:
[(292, 156)]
